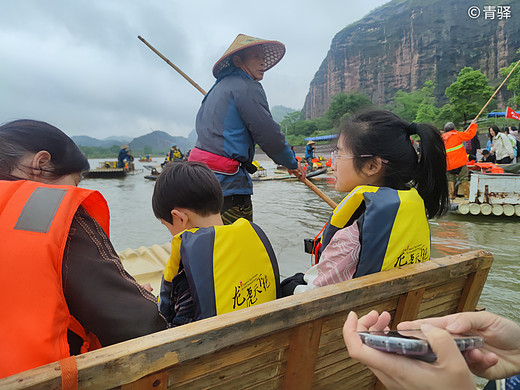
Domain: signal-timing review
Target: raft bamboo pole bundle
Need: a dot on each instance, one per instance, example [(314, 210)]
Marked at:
[(318, 192), (498, 89)]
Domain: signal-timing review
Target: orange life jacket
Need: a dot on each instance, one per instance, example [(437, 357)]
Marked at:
[(455, 152), (35, 221)]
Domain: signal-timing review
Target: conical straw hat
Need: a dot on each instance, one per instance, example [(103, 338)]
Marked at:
[(273, 51)]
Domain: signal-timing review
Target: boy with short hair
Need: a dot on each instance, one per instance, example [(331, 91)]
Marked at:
[(213, 269)]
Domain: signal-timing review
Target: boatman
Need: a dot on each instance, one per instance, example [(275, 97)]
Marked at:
[(456, 157), (309, 154), (174, 154), (234, 116), (123, 156)]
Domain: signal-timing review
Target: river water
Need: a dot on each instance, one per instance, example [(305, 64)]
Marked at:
[(288, 212)]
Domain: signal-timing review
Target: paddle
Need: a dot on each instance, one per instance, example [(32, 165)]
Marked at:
[(318, 192)]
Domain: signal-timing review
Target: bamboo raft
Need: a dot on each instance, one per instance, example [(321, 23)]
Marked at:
[(291, 343), (492, 194), (109, 170)]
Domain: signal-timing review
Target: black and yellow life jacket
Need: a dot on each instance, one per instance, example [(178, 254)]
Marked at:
[(174, 154), (228, 267), (392, 224)]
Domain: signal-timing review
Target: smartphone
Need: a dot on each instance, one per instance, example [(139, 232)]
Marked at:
[(413, 343)]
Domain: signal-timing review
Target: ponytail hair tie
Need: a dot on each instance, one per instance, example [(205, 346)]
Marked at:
[(411, 129)]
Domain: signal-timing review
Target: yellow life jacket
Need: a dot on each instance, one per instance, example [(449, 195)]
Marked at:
[(392, 224), (173, 154), (228, 267)]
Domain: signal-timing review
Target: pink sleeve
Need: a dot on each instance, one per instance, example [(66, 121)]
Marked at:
[(339, 260)]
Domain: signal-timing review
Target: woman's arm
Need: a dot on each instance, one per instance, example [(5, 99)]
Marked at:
[(100, 294)]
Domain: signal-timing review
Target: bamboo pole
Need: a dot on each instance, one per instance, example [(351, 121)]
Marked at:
[(316, 190), (172, 65), (498, 89)]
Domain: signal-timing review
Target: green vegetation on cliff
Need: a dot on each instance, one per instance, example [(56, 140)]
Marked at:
[(466, 96), (404, 43)]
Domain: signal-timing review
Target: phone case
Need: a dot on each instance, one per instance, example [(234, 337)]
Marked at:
[(395, 342)]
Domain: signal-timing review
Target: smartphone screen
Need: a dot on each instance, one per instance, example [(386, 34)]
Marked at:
[(413, 343)]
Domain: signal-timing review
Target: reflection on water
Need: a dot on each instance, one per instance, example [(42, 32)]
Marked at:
[(289, 212)]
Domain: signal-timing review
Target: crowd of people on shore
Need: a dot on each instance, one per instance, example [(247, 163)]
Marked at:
[(56, 234)]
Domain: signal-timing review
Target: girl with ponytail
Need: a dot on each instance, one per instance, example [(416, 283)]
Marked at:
[(392, 191)]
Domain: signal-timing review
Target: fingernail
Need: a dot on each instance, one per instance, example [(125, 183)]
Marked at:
[(453, 327), (425, 328)]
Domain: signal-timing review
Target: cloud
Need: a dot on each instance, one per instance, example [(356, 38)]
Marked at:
[(80, 66)]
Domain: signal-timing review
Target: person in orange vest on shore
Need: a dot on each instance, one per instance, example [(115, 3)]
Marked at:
[(456, 157), (64, 289)]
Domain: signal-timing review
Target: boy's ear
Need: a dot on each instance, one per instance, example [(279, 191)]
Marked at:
[(179, 217)]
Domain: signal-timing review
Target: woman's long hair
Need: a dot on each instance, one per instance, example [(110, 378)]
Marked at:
[(24, 136), (385, 135)]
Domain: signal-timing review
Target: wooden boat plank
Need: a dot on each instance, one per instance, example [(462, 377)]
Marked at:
[(153, 381), (335, 345), (441, 299), (230, 356), (272, 363), (133, 360), (474, 283), (253, 376), (347, 368), (357, 377), (446, 288), (336, 321), (303, 351), (361, 380), (340, 354), (273, 383), (407, 306), (437, 311)]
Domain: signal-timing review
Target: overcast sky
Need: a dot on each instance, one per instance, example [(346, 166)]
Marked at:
[(78, 64)]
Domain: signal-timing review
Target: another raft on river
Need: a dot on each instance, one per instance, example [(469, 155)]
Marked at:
[(492, 193)]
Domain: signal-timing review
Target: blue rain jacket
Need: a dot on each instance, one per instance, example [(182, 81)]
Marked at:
[(233, 117)]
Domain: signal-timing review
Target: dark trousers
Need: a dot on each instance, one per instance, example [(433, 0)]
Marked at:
[(235, 207)]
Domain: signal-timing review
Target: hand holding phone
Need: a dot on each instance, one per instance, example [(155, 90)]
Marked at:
[(450, 371), (413, 343)]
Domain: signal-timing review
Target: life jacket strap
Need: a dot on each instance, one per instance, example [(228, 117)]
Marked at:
[(69, 373), (90, 340)]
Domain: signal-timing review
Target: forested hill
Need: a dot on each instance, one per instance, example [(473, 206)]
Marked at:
[(404, 43), (154, 143)]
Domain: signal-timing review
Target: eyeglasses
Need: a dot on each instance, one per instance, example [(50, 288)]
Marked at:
[(334, 156)]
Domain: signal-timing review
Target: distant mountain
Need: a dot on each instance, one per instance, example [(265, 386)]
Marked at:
[(192, 137), (84, 140), (119, 139), (279, 112), (156, 142), (159, 142)]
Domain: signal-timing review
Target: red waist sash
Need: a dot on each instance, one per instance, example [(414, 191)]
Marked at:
[(215, 162)]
